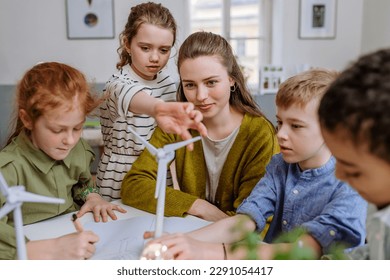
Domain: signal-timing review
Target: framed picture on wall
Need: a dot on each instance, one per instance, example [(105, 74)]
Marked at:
[(317, 19), (90, 19)]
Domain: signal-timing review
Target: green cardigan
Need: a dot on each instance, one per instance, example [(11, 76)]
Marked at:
[(244, 166)]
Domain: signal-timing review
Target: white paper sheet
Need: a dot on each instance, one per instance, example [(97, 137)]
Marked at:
[(123, 239)]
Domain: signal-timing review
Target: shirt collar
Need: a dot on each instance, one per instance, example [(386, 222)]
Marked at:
[(320, 171), (36, 156)]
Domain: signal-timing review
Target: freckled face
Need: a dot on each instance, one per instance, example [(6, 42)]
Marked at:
[(365, 172)]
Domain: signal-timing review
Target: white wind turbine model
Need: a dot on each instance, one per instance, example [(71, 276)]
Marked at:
[(15, 196), (163, 156)]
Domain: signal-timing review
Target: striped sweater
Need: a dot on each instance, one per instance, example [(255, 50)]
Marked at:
[(122, 148)]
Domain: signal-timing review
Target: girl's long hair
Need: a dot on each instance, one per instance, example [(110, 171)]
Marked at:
[(47, 86)]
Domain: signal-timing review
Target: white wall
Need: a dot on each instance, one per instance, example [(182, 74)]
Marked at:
[(33, 31), (331, 53), (376, 25)]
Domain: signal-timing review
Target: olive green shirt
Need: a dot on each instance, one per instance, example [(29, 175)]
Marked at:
[(245, 165), (21, 163)]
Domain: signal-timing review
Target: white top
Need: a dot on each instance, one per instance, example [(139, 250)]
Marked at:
[(215, 154), (121, 147)]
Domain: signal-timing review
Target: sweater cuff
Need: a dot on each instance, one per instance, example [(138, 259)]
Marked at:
[(179, 207)]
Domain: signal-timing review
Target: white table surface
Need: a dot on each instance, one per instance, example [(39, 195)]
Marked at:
[(63, 224)]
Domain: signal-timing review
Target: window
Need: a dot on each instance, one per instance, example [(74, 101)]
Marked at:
[(244, 23)]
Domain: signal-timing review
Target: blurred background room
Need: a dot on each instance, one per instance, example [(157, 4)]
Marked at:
[(273, 39)]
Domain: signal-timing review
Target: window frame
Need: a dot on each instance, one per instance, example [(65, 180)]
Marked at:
[(267, 36)]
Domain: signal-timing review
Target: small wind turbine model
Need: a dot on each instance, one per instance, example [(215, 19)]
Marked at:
[(15, 196), (163, 156)]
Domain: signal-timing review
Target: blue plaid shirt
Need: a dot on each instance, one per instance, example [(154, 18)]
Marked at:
[(329, 209)]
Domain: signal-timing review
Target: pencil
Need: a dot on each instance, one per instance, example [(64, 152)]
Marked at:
[(76, 223)]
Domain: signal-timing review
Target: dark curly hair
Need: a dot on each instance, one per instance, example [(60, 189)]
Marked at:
[(358, 103)]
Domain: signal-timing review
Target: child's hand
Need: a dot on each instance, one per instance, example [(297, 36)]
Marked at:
[(148, 234), (178, 117), (99, 207), (74, 246), (179, 246)]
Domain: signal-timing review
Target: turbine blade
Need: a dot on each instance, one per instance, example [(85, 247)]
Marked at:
[(32, 197), (172, 147), (6, 209), (3, 186), (150, 147)]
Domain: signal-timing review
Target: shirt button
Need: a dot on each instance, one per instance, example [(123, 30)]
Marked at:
[(332, 233), (284, 222), (295, 191)]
